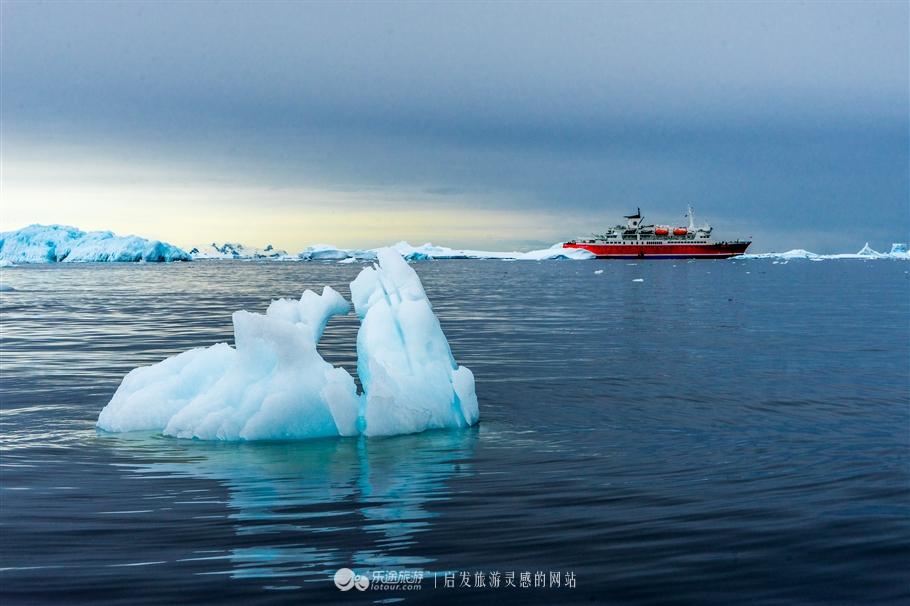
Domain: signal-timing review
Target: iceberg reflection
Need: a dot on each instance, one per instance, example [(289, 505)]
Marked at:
[(300, 510)]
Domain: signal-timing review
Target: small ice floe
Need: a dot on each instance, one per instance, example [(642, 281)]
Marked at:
[(638, 280), (599, 271), (274, 384)]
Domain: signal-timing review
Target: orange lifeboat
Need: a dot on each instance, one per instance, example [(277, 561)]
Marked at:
[(661, 231), (680, 231)]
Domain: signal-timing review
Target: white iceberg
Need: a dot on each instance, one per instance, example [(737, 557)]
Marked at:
[(410, 378), (429, 251), (235, 250), (328, 252), (557, 252), (61, 243), (866, 251), (424, 252), (797, 253), (898, 251), (323, 252), (274, 385)]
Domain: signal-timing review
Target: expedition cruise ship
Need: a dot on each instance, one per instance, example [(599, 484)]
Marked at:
[(636, 240)]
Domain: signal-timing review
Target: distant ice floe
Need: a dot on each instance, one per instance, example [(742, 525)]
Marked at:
[(429, 251), (274, 385), (61, 243), (425, 252), (898, 251), (232, 250), (327, 252)]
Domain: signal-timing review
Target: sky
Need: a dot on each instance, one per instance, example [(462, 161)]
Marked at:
[(494, 126)]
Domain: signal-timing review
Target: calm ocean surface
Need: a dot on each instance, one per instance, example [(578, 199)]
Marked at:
[(724, 432)]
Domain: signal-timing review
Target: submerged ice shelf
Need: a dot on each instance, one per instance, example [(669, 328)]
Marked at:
[(274, 385)]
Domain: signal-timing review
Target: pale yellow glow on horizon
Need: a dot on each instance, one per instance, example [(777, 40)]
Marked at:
[(194, 215), (188, 206)]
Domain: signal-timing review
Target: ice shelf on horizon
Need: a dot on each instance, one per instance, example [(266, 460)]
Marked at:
[(235, 250), (898, 251), (425, 252), (274, 384), (61, 243)]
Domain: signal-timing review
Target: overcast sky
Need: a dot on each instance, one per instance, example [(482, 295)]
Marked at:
[(466, 124)]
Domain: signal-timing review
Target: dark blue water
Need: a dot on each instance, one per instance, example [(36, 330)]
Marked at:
[(723, 432)]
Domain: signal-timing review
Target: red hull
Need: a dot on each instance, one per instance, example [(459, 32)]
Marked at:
[(720, 250)]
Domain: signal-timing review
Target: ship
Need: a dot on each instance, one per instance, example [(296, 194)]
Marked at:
[(636, 240)]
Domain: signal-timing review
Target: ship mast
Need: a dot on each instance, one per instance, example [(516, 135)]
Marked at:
[(691, 215)]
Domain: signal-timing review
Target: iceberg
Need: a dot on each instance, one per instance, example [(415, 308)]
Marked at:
[(429, 251), (410, 378), (797, 253), (898, 251), (327, 252), (274, 385), (61, 243), (235, 250), (557, 252), (866, 251), (424, 252)]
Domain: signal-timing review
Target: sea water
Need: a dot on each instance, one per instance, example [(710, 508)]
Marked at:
[(665, 431)]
